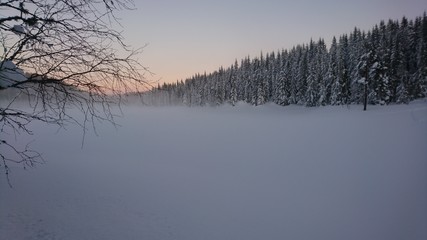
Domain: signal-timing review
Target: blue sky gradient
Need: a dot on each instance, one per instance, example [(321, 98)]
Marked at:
[(188, 36)]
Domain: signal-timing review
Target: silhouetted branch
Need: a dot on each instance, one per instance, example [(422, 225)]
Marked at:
[(73, 58)]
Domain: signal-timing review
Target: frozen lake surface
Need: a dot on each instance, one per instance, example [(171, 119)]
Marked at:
[(244, 172)]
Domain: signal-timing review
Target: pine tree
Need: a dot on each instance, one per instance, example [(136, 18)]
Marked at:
[(301, 78), (402, 91), (282, 78), (311, 95), (344, 70), (332, 74), (363, 77), (357, 49), (322, 63), (396, 57), (422, 57), (233, 84)]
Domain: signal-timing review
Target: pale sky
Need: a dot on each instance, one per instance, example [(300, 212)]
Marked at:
[(185, 37)]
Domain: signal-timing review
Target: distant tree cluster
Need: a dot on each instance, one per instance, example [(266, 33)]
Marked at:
[(385, 65)]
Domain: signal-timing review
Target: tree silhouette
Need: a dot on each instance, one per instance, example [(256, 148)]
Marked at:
[(60, 55)]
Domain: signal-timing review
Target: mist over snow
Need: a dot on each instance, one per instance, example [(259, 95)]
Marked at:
[(243, 172)]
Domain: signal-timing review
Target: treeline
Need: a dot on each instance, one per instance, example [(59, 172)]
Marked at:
[(387, 64)]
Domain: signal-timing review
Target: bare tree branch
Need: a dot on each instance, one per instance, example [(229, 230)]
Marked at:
[(73, 58)]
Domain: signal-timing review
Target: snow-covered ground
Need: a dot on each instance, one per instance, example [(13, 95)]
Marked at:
[(264, 172)]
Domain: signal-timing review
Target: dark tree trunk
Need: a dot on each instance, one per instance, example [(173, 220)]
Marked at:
[(365, 92), (365, 96)]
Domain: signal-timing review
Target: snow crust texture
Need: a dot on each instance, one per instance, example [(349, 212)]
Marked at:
[(242, 172)]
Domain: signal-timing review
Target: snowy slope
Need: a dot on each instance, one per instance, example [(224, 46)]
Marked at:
[(10, 74), (246, 172)]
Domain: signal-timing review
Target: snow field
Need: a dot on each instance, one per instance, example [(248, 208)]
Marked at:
[(242, 172)]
